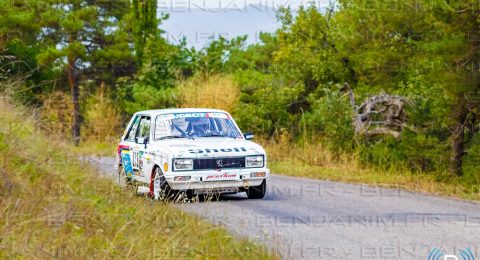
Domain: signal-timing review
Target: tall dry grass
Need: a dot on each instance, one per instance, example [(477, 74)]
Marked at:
[(313, 160), (54, 206), (216, 91), (308, 153), (102, 118), (55, 115)]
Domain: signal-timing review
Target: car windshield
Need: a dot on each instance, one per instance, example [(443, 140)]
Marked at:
[(192, 125)]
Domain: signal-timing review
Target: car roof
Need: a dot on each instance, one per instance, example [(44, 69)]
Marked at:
[(178, 110)]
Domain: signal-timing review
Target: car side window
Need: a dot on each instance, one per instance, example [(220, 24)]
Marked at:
[(144, 128), (133, 130)]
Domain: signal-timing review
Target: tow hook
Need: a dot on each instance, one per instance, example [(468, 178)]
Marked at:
[(246, 184)]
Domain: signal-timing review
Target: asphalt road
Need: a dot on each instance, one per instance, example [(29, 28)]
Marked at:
[(312, 219)]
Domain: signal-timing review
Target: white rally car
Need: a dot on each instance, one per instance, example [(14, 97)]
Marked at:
[(197, 151)]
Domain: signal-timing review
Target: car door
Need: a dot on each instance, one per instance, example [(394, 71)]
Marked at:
[(140, 145), (126, 147)]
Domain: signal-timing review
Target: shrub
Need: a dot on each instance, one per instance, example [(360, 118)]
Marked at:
[(416, 151), (138, 96), (471, 165), (265, 103), (331, 116)]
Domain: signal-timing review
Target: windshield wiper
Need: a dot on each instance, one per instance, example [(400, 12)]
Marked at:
[(217, 135), (213, 135), (169, 137)]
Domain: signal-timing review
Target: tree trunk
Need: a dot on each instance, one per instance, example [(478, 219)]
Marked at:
[(74, 90), (458, 142)]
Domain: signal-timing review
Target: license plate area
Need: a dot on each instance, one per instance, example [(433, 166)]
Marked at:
[(217, 191), (221, 176)]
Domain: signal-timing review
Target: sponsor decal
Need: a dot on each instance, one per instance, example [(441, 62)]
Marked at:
[(220, 163), (215, 150), (217, 115), (127, 163), (180, 115), (224, 175), (200, 114), (166, 117), (122, 148)]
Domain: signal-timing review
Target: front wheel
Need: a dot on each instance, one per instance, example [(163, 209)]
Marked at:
[(257, 192), (159, 188)]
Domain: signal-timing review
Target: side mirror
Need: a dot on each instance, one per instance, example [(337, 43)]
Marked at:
[(248, 136), (142, 140)]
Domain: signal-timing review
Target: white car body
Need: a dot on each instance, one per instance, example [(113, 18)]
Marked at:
[(216, 161)]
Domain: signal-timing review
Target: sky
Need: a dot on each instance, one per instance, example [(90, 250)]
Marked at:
[(200, 20)]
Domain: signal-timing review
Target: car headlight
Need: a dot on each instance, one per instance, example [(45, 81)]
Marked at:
[(254, 161), (182, 164)]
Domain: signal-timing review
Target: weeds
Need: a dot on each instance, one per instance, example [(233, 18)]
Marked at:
[(214, 92), (315, 161), (54, 206), (103, 120)]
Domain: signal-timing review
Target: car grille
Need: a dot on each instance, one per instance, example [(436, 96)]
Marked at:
[(219, 163)]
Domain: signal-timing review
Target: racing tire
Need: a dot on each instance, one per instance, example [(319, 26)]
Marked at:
[(257, 192), (190, 194), (159, 188)]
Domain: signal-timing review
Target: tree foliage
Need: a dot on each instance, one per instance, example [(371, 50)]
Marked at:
[(422, 50), (290, 81)]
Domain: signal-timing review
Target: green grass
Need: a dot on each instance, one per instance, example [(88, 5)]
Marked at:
[(53, 206), (444, 185), (315, 160)]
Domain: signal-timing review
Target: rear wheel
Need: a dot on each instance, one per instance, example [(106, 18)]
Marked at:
[(257, 192)]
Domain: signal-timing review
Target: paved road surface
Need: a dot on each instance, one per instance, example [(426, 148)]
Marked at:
[(313, 219)]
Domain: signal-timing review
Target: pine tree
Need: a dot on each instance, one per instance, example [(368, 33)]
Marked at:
[(89, 39), (145, 24)]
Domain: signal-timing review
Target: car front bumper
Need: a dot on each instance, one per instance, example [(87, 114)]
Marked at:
[(216, 179)]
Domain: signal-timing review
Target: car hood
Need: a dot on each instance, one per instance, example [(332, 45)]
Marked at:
[(210, 147)]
